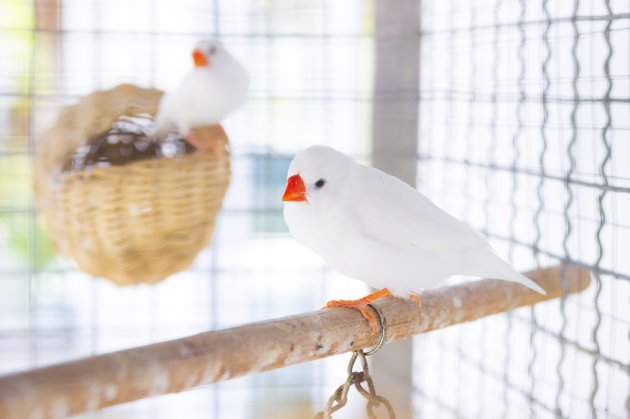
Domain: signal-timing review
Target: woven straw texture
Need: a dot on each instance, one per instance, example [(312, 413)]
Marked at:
[(136, 223)]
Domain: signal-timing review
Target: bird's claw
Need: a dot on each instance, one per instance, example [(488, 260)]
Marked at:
[(362, 305), (210, 138)]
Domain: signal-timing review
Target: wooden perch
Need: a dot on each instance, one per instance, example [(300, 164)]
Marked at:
[(93, 383)]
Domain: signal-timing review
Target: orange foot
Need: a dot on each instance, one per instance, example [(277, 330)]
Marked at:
[(361, 305), (194, 140), (210, 138)]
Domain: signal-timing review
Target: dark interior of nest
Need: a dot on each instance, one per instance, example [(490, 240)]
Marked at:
[(130, 139)]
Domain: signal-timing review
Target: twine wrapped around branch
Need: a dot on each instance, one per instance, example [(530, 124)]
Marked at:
[(133, 223)]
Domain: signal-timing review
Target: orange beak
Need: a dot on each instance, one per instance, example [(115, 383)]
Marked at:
[(200, 59), (295, 190)]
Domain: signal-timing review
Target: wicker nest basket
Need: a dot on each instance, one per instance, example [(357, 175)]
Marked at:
[(131, 223)]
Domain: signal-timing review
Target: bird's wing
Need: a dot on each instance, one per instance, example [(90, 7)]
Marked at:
[(389, 210), (179, 106)]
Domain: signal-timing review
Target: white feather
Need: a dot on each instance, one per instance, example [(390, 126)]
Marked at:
[(372, 226), (205, 95)]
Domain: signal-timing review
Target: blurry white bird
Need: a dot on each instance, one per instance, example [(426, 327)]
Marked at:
[(216, 86), (374, 227)]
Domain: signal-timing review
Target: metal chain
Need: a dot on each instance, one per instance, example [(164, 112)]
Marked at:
[(340, 397)]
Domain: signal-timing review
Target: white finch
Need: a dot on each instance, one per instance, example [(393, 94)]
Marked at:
[(216, 86), (374, 227)]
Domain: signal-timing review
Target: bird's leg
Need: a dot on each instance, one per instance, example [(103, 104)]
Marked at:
[(361, 301), (210, 138), (362, 305), (193, 139)]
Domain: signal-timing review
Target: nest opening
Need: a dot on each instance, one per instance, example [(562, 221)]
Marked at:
[(126, 206)]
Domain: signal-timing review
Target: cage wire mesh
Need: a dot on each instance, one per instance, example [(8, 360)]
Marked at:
[(305, 89), (523, 133)]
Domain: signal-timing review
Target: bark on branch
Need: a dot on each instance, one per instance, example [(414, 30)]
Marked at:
[(167, 367)]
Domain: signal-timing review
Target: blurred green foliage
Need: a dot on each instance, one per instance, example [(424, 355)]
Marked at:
[(29, 242), (24, 235), (26, 238)]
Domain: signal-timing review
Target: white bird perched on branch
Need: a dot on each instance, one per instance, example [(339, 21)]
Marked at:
[(216, 86), (374, 227)]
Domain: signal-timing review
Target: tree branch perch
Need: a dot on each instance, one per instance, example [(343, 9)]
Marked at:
[(167, 367)]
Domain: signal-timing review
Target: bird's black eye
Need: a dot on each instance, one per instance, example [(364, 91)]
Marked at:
[(320, 183), (213, 49)]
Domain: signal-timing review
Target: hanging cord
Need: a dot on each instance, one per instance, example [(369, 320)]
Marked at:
[(340, 396)]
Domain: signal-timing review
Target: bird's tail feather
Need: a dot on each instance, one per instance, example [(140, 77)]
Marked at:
[(490, 265), (162, 124)]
